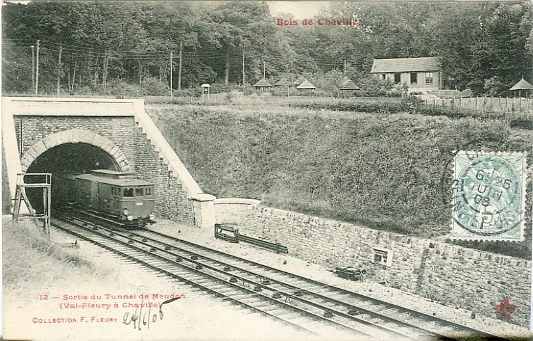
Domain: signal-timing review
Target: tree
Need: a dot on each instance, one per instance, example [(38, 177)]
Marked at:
[(478, 41), (244, 26), (132, 41)]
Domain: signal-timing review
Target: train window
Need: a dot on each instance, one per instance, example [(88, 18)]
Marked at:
[(138, 192), (128, 192), (148, 191)]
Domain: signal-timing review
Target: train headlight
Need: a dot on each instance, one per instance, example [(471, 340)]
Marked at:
[(126, 212), (130, 218), (152, 216)]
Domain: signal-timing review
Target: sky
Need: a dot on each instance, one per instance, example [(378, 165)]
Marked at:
[(300, 9)]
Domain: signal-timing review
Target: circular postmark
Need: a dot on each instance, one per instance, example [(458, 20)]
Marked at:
[(487, 194)]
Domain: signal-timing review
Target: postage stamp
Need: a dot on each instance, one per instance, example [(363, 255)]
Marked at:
[(488, 196)]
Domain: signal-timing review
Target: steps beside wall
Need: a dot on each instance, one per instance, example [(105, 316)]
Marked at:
[(204, 211)]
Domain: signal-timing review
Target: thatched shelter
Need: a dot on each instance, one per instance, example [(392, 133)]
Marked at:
[(348, 85), (262, 85), (283, 83), (522, 85), (306, 85)]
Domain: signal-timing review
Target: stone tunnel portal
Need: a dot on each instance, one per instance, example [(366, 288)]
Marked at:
[(63, 160)]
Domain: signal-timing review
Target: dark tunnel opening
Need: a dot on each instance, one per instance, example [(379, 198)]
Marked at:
[(63, 160)]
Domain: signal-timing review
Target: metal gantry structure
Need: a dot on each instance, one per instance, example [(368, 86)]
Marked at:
[(34, 180)]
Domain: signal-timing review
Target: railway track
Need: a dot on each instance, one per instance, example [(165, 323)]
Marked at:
[(295, 300)]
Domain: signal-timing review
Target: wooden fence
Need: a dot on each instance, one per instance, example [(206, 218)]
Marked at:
[(487, 105)]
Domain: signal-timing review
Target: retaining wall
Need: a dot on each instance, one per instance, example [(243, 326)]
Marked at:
[(452, 275)]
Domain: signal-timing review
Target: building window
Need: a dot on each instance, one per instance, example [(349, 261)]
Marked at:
[(383, 76), (429, 78), (382, 256), (397, 78), (414, 78)]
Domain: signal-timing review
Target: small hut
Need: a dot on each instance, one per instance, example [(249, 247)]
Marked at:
[(263, 85), (283, 84), (348, 85), (306, 86), (522, 85)]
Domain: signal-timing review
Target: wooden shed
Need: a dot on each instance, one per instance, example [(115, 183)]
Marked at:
[(262, 85), (306, 86)]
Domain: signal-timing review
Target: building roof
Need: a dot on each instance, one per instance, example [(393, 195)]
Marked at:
[(522, 85), (115, 182), (348, 84), (262, 83), (406, 65), (283, 82), (344, 80), (112, 174), (299, 81), (306, 85), (466, 93)]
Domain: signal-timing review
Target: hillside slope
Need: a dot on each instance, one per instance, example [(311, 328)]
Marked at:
[(390, 172)]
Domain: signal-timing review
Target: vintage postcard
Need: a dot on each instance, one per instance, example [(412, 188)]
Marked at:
[(245, 170)]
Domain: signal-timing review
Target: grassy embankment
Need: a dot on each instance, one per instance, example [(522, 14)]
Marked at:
[(383, 171), (32, 264)]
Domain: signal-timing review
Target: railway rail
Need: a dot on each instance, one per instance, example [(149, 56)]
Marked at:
[(300, 302)]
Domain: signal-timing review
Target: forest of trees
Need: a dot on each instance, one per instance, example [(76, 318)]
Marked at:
[(90, 47)]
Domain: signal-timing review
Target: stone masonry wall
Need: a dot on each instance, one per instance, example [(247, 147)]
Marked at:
[(172, 202), (118, 129), (233, 211), (452, 275)]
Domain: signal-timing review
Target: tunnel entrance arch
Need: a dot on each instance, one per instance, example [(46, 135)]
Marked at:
[(74, 136), (73, 158), (70, 153)]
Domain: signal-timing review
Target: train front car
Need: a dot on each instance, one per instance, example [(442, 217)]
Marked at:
[(118, 195), (137, 202)]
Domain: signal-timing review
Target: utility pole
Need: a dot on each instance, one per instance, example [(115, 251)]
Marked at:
[(264, 69), (33, 68), (37, 71), (59, 67), (171, 94), (106, 64), (345, 67), (179, 72), (243, 82)]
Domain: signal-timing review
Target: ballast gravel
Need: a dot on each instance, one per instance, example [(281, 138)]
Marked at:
[(195, 315)]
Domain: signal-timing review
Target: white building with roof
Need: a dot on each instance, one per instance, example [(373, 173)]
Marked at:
[(420, 74)]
